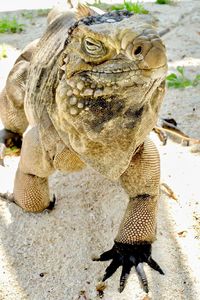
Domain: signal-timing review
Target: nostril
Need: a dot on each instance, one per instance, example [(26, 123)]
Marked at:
[(138, 50)]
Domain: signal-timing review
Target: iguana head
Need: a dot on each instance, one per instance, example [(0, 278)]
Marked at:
[(114, 64)]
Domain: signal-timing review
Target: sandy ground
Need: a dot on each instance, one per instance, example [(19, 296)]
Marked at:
[(48, 255)]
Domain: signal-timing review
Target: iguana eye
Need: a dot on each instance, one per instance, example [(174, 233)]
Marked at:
[(93, 47)]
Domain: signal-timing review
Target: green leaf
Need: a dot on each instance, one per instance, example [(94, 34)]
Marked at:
[(180, 81), (172, 76), (180, 70)]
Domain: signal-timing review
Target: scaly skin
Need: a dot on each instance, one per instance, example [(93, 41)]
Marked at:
[(96, 86), (12, 97)]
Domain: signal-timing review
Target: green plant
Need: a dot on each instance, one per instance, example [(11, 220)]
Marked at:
[(180, 80), (8, 25), (163, 1), (3, 51), (137, 7)]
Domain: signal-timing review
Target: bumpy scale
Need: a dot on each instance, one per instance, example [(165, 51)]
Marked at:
[(96, 86)]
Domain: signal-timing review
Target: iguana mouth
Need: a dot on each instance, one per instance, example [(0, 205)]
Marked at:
[(127, 67), (112, 71), (125, 70), (115, 69), (126, 78)]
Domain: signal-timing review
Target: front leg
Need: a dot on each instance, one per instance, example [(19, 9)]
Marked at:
[(31, 190), (137, 231)]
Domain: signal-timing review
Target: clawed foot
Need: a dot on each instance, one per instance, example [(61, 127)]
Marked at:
[(127, 256), (10, 139)]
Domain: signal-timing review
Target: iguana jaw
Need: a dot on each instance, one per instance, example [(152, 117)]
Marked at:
[(124, 80), (126, 77)]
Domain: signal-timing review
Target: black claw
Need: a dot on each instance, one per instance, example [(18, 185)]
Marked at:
[(124, 276), (94, 258), (153, 264), (110, 270), (52, 203), (142, 276), (121, 287), (106, 255)]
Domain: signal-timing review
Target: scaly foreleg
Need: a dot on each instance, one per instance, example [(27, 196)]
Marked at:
[(137, 231)]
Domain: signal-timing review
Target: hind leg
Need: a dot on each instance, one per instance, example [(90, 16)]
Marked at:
[(12, 113)]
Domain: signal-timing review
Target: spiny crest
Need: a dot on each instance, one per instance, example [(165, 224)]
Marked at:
[(87, 16), (84, 11)]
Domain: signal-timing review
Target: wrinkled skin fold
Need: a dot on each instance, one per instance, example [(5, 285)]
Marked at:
[(91, 91)]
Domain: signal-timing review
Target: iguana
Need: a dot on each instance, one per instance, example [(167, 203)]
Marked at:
[(91, 92)]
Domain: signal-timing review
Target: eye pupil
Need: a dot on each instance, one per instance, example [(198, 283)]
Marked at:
[(90, 44), (138, 50)]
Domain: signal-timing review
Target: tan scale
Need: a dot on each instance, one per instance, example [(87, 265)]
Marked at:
[(12, 96), (67, 161)]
